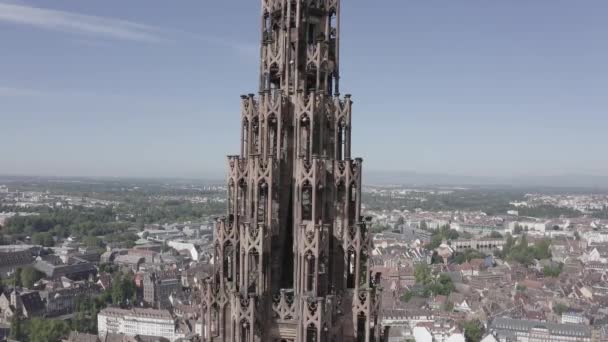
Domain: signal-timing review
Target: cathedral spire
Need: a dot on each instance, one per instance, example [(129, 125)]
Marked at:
[(292, 253)]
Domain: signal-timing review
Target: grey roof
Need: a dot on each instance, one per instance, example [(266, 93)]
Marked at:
[(55, 271), (32, 302), (16, 258), (82, 337), (508, 325), (129, 259), (137, 312)]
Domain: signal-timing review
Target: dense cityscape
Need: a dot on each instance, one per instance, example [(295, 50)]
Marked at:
[(118, 258), (118, 112)]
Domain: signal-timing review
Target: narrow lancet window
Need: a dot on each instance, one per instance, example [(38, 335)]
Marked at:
[(255, 132), (306, 202), (245, 138), (262, 202), (305, 138), (272, 136), (351, 269)]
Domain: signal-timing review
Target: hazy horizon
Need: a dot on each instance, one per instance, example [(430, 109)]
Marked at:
[(376, 178), (138, 89)]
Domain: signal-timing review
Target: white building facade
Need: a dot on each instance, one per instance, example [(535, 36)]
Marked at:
[(146, 322)]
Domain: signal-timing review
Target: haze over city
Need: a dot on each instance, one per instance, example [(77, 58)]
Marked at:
[(191, 171), (148, 89)]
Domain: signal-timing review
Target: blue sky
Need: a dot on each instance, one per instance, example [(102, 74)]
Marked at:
[(151, 88)]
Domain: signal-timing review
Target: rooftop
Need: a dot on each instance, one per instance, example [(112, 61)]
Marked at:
[(137, 312), (572, 330)]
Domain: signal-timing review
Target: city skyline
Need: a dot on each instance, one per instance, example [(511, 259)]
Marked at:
[(119, 89)]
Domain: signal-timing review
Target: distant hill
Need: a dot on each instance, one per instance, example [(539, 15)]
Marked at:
[(372, 177)]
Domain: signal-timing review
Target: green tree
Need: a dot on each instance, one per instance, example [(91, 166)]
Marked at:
[(449, 306), (509, 244), (542, 249), (44, 239), (400, 221), (123, 289), (407, 296), (517, 229), (423, 274), (166, 248), (17, 277), (435, 242), (46, 330), (523, 242), (29, 276), (443, 285), (467, 255), (17, 332), (473, 331), (93, 241), (85, 317), (108, 268), (435, 258), (559, 308), (495, 235), (553, 270)]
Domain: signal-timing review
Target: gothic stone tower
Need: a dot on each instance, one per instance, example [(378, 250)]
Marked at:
[(291, 255)]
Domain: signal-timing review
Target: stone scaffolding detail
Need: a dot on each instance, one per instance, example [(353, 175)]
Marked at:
[(292, 253)]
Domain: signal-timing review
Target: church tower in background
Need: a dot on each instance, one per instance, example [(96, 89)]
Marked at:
[(292, 253)]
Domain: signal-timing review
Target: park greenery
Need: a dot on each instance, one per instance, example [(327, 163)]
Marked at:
[(38, 329), (467, 255), (428, 284), (559, 308), (489, 201), (548, 211), (444, 233), (553, 270), (97, 227), (521, 251)]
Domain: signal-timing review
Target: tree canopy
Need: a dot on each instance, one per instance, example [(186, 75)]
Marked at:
[(432, 285), (29, 276), (123, 289), (46, 330), (519, 250), (473, 331)]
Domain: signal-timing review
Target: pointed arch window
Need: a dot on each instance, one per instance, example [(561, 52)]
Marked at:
[(231, 197), (341, 140), (311, 333), (255, 135), (311, 271), (352, 206), (272, 136), (228, 262), (245, 138), (307, 201), (351, 268), (262, 212), (242, 198), (254, 260), (305, 138), (215, 320)]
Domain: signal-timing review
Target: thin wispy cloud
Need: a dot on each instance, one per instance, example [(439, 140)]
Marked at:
[(19, 92), (18, 13), (75, 23)]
